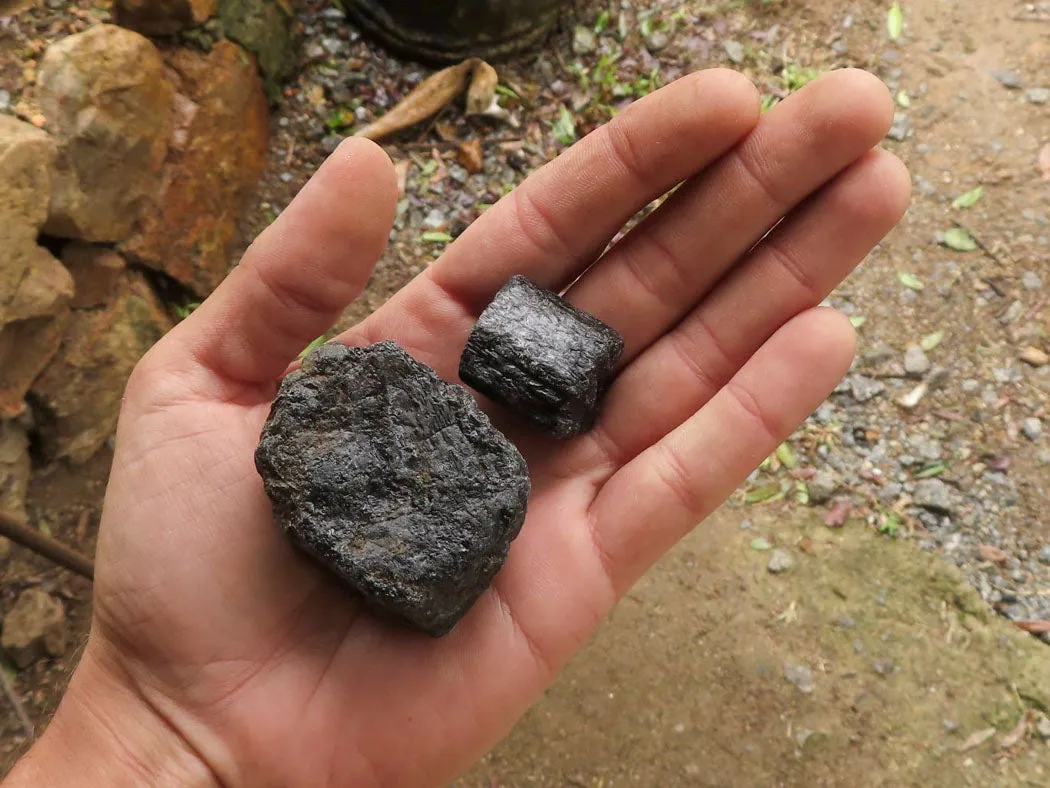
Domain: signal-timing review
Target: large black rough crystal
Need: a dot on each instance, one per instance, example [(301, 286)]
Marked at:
[(541, 357), (394, 480)]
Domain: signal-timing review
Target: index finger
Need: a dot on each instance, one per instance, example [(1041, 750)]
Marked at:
[(561, 218)]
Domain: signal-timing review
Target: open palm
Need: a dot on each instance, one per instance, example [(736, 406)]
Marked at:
[(267, 670)]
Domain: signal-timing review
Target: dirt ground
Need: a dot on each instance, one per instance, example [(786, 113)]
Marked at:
[(687, 683)]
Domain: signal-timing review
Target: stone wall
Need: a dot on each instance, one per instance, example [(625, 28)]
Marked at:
[(134, 172)]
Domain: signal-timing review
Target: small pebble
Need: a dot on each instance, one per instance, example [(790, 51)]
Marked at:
[(901, 127), (916, 364), (780, 561), (5, 100), (734, 50), (1032, 428), (656, 41), (583, 40), (1010, 80), (1030, 281), (1038, 96), (801, 676)]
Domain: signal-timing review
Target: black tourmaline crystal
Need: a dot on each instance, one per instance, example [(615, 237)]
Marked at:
[(394, 480), (541, 357)]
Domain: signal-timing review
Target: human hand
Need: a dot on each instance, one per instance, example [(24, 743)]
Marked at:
[(218, 654)]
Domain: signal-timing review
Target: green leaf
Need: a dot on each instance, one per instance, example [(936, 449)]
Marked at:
[(44, 527), (436, 237), (895, 21), (890, 525), (429, 168), (786, 456), (768, 102), (801, 492), (601, 22), (910, 281), (931, 470), (503, 90), (182, 311), (761, 543), (930, 341), (565, 126), (316, 343), (969, 199), (958, 239), (766, 492), (903, 99), (857, 320)]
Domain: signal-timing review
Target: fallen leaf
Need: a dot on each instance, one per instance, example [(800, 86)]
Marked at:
[(805, 544), (1035, 627), (761, 543), (992, 553), (930, 341), (857, 320), (895, 21), (958, 239), (910, 281), (977, 739), (470, 157), (564, 127), (836, 517), (969, 199), (401, 169), (1034, 356), (934, 469), (436, 237), (435, 93), (1044, 161), (1008, 740), (767, 492), (786, 456)]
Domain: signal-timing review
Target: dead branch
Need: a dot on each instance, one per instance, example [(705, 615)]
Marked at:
[(28, 537)]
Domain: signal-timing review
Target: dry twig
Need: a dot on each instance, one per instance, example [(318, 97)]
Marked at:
[(28, 537)]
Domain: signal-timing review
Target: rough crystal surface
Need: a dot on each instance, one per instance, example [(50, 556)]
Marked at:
[(541, 357), (394, 480)]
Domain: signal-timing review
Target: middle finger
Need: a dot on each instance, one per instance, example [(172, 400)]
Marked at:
[(645, 284)]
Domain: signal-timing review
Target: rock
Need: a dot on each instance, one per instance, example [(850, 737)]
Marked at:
[(916, 364), (1008, 79), (96, 272), (1038, 96), (780, 561), (989, 552), (1030, 280), (1034, 356), (77, 398), (583, 40), (656, 41), (935, 495), (264, 29), (26, 157), (884, 667), (901, 127), (1044, 554), (864, 388), (5, 100), (1032, 428), (212, 179), (394, 480), (108, 105), (162, 17), (823, 485), (542, 358), (801, 676), (26, 347), (734, 50), (14, 469), (912, 398), (1042, 726), (35, 626), (46, 289)]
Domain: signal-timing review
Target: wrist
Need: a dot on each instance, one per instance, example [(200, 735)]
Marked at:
[(105, 733)]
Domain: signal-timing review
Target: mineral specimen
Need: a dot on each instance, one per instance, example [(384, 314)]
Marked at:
[(541, 357), (394, 480)]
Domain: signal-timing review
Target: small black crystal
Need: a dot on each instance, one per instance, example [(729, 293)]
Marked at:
[(394, 480), (541, 357)]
